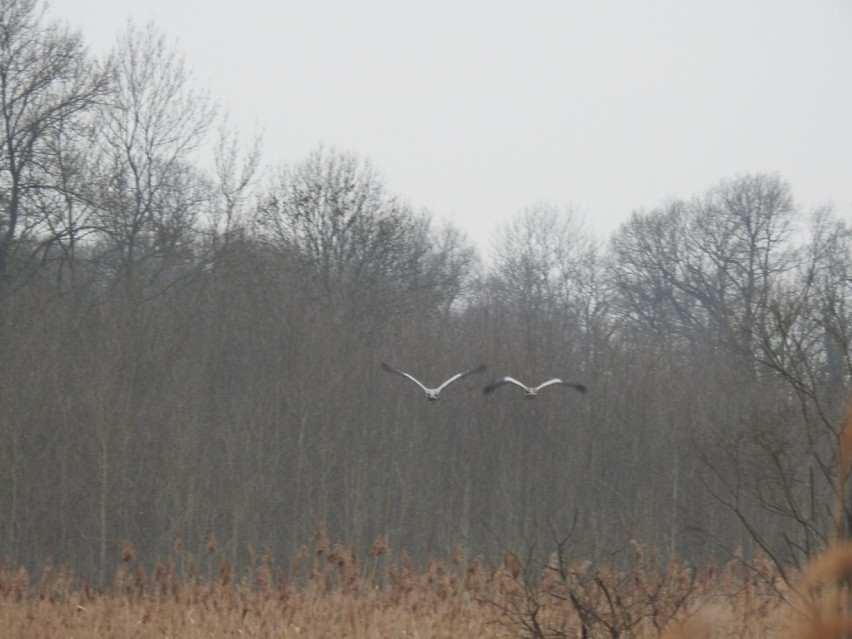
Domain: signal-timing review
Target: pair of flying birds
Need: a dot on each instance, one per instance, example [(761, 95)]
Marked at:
[(529, 391)]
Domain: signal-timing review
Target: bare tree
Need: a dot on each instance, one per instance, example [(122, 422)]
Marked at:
[(649, 272), (773, 320), (353, 245), (147, 198), (236, 173), (805, 343), (543, 268), (147, 194), (707, 266), (47, 84), (723, 275), (741, 243)]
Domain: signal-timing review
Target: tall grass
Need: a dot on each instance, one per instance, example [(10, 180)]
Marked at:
[(325, 591)]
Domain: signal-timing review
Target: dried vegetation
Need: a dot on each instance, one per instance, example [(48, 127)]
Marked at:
[(326, 592)]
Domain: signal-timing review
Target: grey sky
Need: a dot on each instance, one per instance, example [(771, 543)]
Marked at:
[(476, 110)]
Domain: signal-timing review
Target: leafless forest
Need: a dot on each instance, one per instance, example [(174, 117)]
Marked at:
[(191, 340)]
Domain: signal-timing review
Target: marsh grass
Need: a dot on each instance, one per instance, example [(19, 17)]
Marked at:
[(326, 592)]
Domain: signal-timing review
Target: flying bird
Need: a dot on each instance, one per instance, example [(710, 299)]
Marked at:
[(432, 393), (530, 392)]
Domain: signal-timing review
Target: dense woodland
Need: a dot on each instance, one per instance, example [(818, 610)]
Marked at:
[(191, 339)]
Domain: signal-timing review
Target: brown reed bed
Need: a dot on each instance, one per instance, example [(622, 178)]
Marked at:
[(328, 592)]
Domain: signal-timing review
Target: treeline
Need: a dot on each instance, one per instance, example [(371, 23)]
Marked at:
[(190, 344)]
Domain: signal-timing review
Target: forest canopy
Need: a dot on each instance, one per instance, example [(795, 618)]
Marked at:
[(194, 347)]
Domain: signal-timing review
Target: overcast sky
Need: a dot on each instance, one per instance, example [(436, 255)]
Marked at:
[(476, 110)]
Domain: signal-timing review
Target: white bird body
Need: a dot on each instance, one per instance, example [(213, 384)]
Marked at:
[(432, 393), (530, 392)]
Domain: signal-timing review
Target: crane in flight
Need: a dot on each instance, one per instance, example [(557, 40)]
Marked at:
[(530, 392), (432, 393)]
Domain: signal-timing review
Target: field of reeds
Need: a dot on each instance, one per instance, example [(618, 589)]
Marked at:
[(326, 591)]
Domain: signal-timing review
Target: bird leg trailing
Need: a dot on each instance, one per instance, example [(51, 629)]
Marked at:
[(433, 393)]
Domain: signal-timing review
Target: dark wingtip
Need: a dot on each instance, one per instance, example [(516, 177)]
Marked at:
[(580, 388)]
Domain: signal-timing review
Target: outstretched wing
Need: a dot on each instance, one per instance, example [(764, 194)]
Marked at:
[(577, 387), (478, 369), (497, 383), (391, 369)]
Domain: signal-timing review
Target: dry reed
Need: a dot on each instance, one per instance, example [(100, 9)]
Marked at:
[(395, 598)]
